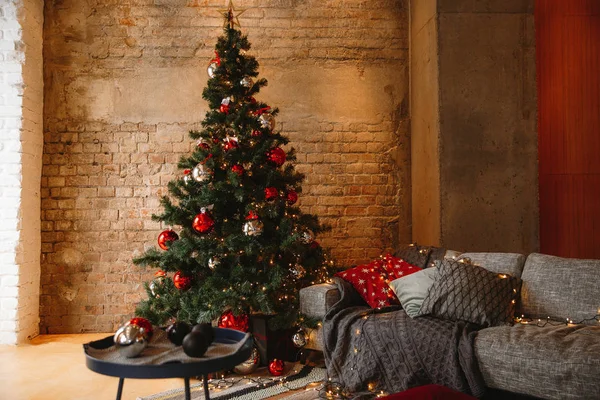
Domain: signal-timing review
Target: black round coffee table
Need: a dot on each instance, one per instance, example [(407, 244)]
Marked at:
[(173, 368)]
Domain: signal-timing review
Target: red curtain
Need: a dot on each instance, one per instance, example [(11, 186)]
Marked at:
[(568, 70)]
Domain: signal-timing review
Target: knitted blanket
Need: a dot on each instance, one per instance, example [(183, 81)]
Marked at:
[(385, 349)]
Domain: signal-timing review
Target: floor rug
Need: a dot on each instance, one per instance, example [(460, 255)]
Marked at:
[(255, 388)]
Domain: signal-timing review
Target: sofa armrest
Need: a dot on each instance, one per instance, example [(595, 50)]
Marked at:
[(316, 300)]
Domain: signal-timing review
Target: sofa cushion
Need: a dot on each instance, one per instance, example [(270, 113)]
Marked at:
[(316, 300), (560, 288), (412, 289), (414, 254), (501, 263), (466, 292), (551, 362)]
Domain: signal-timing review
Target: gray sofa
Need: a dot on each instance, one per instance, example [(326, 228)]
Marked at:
[(549, 362)]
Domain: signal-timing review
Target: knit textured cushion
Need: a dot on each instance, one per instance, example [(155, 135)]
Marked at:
[(466, 292)]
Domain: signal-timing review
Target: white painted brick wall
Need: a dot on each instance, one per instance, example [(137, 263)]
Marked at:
[(21, 140)]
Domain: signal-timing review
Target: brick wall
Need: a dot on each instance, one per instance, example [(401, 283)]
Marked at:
[(123, 86), (21, 98)]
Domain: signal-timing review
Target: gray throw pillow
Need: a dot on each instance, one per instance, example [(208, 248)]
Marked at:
[(466, 292), (412, 289), (414, 254)]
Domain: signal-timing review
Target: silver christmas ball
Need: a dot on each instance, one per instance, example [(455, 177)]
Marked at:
[(213, 263), (298, 271), (212, 68), (253, 228), (154, 285), (187, 178), (267, 121), (307, 237), (202, 173), (247, 82), (299, 339), (250, 365), (130, 340)]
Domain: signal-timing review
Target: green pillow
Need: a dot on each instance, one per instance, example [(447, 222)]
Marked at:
[(412, 289)]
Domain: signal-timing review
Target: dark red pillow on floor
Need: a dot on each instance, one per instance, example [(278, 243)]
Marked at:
[(372, 280), (429, 392)]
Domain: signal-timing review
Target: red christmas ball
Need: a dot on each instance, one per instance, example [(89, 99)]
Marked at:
[(277, 156), (182, 281), (238, 169), (291, 197), (224, 108), (256, 133), (166, 237), (142, 323), (251, 216), (204, 144), (230, 143), (271, 193), (276, 367), (160, 274), (230, 321), (203, 223)]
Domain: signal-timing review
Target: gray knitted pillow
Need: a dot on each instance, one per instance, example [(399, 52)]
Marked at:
[(466, 292)]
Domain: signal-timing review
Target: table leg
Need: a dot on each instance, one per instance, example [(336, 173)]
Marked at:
[(120, 388), (206, 393), (187, 389)]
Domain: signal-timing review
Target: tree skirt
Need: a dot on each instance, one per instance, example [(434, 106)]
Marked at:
[(256, 387)]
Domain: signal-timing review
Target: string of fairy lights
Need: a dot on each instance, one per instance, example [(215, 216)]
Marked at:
[(539, 322)]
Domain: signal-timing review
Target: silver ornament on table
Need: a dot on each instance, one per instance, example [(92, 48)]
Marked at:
[(307, 237), (212, 68), (130, 340), (201, 173), (247, 82), (267, 121), (213, 263), (250, 365), (299, 339), (253, 228), (298, 271)]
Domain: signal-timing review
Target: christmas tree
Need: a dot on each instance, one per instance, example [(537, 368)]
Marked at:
[(240, 244)]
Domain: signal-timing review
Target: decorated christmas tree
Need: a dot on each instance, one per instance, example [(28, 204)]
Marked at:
[(237, 242)]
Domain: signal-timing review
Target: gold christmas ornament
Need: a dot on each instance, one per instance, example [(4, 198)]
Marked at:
[(213, 263), (231, 15), (253, 228)]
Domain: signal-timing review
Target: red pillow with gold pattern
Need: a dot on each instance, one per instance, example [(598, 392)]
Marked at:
[(369, 280)]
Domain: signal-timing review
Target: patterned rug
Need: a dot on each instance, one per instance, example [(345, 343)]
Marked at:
[(256, 387)]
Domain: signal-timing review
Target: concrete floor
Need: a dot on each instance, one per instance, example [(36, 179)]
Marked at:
[(53, 367)]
